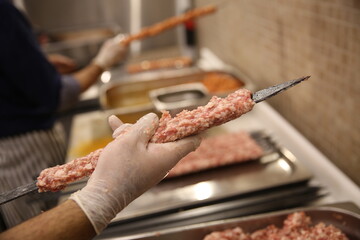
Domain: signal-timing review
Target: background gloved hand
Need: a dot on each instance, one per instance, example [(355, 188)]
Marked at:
[(127, 167), (111, 52)]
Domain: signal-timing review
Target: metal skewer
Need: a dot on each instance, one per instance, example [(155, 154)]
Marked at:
[(264, 94), (257, 97), (18, 192)]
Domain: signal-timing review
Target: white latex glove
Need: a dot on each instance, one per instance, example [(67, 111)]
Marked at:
[(111, 52), (118, 126), (114, 122), (127, 167)]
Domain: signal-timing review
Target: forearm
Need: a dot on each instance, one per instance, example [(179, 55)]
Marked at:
[(88, 76), (110, 54), (66, 221)]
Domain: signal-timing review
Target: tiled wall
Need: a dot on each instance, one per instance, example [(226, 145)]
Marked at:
[(276, 40)]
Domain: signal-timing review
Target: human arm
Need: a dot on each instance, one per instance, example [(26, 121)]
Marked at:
[(63, 64), (110, 53), (143, 165), (31, 82), (66, 221), (77, 82), (87, 76), (128, 167)]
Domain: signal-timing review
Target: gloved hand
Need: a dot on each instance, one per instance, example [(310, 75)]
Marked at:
[(111, 52), (118, 126), (127, 167)]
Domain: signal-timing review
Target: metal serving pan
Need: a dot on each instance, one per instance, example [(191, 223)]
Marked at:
[(278, 167), (176, 98), (345, 216), (133, 90)]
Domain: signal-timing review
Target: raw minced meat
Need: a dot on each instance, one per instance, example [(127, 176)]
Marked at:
[(186, 123), (220, 150), (297, 226)]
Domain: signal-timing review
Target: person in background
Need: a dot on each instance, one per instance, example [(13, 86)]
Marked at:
[(32, 92), (127, 167)]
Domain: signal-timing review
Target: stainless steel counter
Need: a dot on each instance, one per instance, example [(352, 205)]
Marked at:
[(340, 187), (337, 185)]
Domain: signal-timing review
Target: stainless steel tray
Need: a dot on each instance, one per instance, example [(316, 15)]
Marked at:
[(177, 98), (345, 216), (133, 90), (278, 167)]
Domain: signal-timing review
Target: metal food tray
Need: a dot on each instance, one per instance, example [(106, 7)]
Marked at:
[(345, 216), (176, 98), (278, 167), (126, 92)]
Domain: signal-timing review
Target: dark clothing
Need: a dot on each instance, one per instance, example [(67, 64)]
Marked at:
[(29, 85), (31, 93)]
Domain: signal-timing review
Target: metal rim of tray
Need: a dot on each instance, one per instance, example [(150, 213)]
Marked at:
[(346, 208)]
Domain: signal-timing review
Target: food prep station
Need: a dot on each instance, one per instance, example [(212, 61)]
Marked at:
[(291, 174)]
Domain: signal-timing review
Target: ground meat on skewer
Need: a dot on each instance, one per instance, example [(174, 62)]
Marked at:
[(186, 123), (216, 112), (168, 23), (58, 177)]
